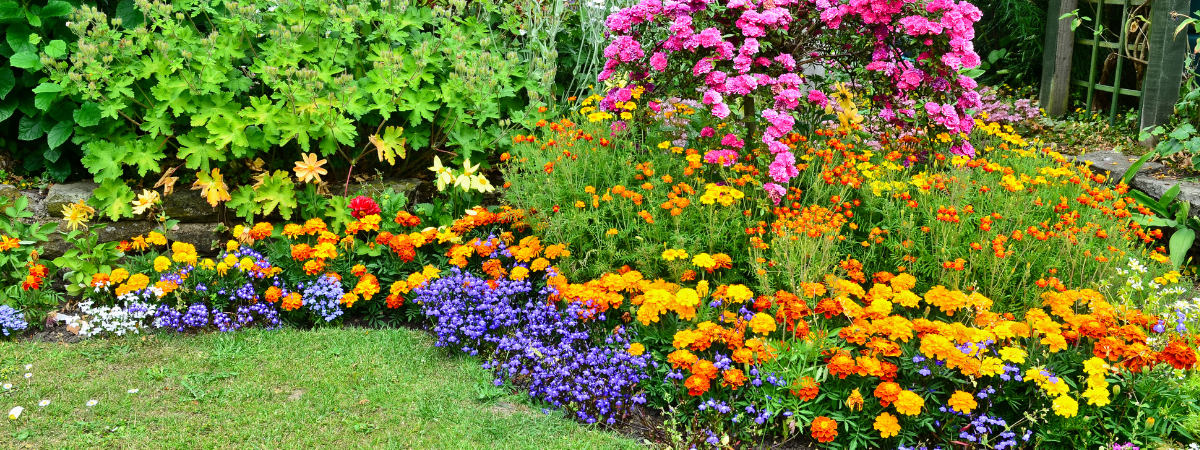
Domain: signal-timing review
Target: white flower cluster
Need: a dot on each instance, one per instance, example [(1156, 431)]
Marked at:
[(112, 320)]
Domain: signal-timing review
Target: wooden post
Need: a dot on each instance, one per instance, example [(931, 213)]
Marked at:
[(1164, 68), (1056, 62)]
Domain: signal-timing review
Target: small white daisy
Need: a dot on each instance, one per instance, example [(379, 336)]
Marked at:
[(28, 376), (92, 403), (7, 386), (44, 403), (29, 367), (132, 391)]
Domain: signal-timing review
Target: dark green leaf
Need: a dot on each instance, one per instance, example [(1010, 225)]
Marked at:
[(7, 81), (29, 129), (17, 37), (59, 134), (88, 114), (7, 107), (11, 11), (60, 169), (56, 8), (129, 14), (52, 154), (1168, 197)]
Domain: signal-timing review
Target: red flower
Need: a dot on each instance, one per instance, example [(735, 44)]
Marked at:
[(363, 206)]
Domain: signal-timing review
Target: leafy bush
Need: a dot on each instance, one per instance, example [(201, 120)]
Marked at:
[(36, 120), (201, 85)]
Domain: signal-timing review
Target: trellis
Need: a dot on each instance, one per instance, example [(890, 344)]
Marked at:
[(1164, 63)]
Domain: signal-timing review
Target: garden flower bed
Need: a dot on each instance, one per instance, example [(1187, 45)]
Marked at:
[(759, 255)]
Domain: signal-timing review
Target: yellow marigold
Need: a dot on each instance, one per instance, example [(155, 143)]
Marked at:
[(1097, 396), (909, 403), (762, 323), (1055, 341), (1065, 406), (738, 293), (161, 264), (991, 366), (349, 298), (1013, 354), (118, 275), (519, 273), (687, 297), (903, 282), (962, 402), (637, 349), (685, 338), (907, 299), (887, 425), (156, 238), (705, 261), (1095, 366)]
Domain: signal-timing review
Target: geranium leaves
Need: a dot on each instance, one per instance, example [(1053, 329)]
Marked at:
[(274, 191)]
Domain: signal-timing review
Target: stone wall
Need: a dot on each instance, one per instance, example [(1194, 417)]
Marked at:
[(198, 221)]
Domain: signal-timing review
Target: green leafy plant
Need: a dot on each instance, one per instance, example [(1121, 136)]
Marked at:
[(1180, 140), (211, 82), (38, 115), (1167, 213), (19, 251)]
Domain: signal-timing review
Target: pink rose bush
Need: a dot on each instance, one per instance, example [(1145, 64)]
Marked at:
[(908, 52)]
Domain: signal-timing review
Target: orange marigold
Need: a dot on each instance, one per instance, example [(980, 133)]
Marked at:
[(824, 429), (887, 425)]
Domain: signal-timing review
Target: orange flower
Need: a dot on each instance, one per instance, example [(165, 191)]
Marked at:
[(855, 401), (824, 429), (887, 425), (696, 384), (809, 388), (887, 392), (842, 365), (909, 403), (962, 402), (733, 378), (292, 302)]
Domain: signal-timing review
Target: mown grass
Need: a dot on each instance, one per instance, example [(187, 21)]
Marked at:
[(335, 388)]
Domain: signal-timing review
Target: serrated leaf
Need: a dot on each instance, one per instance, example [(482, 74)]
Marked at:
[(56, 8), (197, 152), (277, 191), (145, 155), (7, 82), (103, 160), (87, 115), (113, 199), (242, 202), (390, 145), (59, 134), (55, 49), (212, 187), (26, 60), (11, 11), (30, 128), (7, 107)]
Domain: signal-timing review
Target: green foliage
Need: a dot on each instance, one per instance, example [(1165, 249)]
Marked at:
[(202, 84), (1168, 214), (1016, 27), (1180, 140), (15, 263), (86, 257), (37, 113)]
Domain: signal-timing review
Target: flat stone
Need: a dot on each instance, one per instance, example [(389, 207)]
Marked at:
[(1154, 187), (188, 206), (8, 194), (202, 235), (61, 195), (1114, 164)]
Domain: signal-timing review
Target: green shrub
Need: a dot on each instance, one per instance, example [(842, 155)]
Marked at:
[(204, 84)]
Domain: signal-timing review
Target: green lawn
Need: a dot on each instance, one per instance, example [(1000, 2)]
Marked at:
[(335, 388)]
